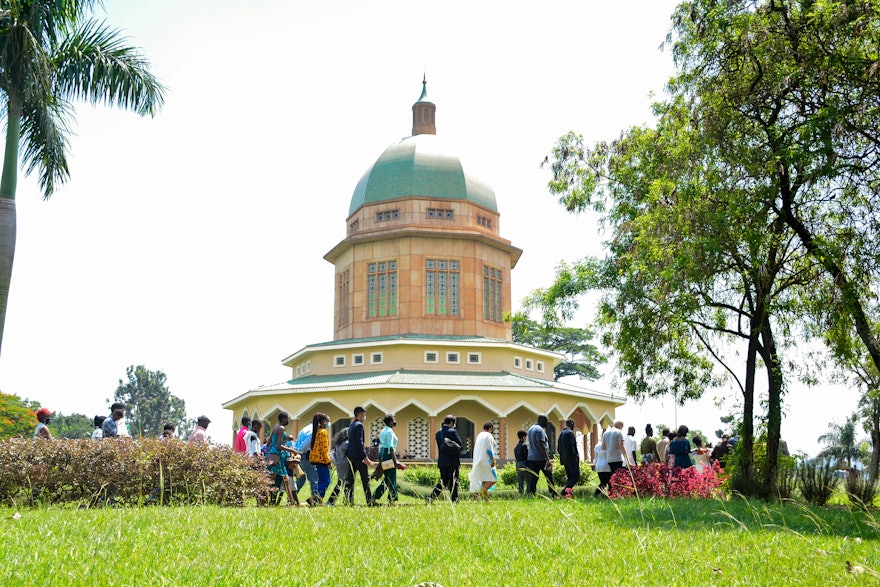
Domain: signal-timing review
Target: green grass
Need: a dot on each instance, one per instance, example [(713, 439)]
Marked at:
[(519, 542)]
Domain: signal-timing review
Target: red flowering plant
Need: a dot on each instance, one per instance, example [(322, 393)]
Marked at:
[(656, 480), (693, 483), (642, 481)]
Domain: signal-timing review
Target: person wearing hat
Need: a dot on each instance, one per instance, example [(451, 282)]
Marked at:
[(200, 434), (42, 430)]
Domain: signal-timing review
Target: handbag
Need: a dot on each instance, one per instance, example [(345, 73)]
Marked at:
[(389, 464), (273, 459), (450, 446)]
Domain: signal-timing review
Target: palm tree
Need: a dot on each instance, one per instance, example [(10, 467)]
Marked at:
[(53, 52), (840, 442)]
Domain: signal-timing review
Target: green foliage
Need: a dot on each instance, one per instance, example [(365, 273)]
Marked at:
[(507, 474), (816, 480), (861, 489), (559, 477), (581, 357), (840, 443), (126, 472), (149, 403), (17, 417), (424, 475), (72, 426)]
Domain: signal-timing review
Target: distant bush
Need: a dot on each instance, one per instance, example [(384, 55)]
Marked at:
[(507, 474), (126, 472), (816, 480), (426, 475), (560, 478), (860, 489), (655, 480)]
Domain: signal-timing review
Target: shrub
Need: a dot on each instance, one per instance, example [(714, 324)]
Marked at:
[(126, 472), (507, 474), (860, 489), (655, 480), (817, 481), (560, 478), (426, 475)]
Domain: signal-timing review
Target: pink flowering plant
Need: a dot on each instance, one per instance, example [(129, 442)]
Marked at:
[(656, 480)]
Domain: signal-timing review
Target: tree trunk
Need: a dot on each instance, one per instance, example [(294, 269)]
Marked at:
[(775, 388), (8, 181), (875, 442), (745, 452)]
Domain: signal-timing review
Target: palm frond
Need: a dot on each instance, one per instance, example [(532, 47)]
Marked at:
[(93, 63), (44, 130)]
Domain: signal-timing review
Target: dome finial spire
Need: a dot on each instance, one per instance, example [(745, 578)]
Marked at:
[(423, 112)]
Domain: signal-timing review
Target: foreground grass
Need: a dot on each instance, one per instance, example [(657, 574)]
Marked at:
[(528, 542)]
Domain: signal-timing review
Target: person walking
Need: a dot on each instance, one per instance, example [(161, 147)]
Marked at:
[(539, 457), (612, 444), (388, 452), (680, 448), (239, 444), (357, 456), (649, 447), (110, 426), (568, 458), (343, 468), (521, 455), (483, 475), (277, 457), (448, 459), (42, 429), (602, 469), (319, 456), (200, 434)]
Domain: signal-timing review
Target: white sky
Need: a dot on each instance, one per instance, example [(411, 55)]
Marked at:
[(193, 242)]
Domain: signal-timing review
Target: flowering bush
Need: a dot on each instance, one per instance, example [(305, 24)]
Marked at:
[(126, 472), (656, 480)]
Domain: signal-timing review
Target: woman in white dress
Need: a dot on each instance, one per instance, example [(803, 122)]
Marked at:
[(483, 474)]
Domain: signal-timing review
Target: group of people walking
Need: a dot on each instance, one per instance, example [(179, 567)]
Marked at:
[(615, 451)]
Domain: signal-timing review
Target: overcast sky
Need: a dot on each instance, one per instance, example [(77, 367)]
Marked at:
[(192, 243)]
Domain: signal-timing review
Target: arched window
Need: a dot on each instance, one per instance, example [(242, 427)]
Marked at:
[(419, 438)]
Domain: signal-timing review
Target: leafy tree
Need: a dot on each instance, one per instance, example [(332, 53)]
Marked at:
[(17, 416), (52, 52), (788, 89), (840, 442), (581, 357), (74, 426), (148, 402)]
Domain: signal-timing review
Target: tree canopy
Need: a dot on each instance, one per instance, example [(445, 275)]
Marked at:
[(17, 416), (749, 211), (149, 403), (581, 356), (51, 53)]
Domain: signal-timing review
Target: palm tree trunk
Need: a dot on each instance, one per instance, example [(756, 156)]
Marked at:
[(8, 181)]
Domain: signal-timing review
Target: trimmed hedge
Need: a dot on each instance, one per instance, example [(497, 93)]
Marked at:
[(126, 472)]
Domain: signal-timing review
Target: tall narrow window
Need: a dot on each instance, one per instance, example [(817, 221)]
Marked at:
[(441, 287), (382, 289), (342, 289), (491, 294)]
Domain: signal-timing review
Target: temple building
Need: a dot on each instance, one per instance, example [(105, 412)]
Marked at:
[(422, 285)]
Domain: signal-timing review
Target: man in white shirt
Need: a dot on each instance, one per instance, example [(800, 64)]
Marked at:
[(612, 444), (629, 443)]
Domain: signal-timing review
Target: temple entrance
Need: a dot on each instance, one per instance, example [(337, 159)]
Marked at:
[(465, 430)]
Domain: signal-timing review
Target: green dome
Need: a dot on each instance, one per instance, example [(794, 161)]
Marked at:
[(421, 166)]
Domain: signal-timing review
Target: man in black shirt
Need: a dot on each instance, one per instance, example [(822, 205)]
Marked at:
[(448, 459), (357, 456)]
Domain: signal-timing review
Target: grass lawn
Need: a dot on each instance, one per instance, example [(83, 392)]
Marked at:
[(506, 542)]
